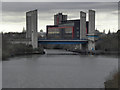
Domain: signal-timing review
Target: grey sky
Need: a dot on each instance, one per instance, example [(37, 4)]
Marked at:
[(60, 0), (14, 13)]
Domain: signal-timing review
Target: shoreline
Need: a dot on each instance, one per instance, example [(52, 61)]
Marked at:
[(26, 53), (97, 52)]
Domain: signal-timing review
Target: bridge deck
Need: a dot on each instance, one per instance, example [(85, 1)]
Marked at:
[(62, 41)]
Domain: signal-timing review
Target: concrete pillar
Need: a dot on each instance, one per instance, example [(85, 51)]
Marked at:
[(31, 24), (28, 25), (91, 22), (82, 27), (55, 19), (34, 30), (91, 35)]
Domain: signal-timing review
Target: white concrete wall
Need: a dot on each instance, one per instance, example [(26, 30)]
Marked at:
[(91, 22), (91, 38), (82, 25), (34, 30), (28, 30), (91, 43), (31, 24)]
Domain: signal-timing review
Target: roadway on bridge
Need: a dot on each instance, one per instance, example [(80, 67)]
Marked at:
[(62, 41)]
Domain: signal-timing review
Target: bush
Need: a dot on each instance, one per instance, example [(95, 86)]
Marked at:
[(108, 42), (113, 83)]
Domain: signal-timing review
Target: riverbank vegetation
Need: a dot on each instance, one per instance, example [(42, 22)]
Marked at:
[(106, 44), (113, 82), (112, 43), (10, 49)]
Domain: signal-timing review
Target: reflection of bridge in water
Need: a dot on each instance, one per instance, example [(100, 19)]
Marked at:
[(59, 52)]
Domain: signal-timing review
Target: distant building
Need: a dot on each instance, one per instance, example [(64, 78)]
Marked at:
[(15, 35), (58, 18), (63, 28), (41, 35)]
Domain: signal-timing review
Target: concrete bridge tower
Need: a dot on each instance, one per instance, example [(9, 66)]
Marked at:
[(82, 28), (31, 27), (91, 33)]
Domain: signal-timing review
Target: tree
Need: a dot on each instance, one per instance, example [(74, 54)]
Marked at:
[(41, 30), (104, 31), (24, 30), (109, 32)]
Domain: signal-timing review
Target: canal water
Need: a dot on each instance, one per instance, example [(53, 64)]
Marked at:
[(54, 70)]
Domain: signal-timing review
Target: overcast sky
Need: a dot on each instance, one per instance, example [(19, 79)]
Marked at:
[(60, 0), (14, 14)]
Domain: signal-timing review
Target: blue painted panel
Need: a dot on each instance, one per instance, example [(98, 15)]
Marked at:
[(61, 39), (47, 42), (93, 36)]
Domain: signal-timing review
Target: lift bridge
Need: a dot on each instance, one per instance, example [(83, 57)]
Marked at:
[(85, 39)]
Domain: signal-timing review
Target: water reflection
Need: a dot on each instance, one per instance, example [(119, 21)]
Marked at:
[(57, 71)]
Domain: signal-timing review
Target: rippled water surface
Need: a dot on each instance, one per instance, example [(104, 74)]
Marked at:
[(54, 70)]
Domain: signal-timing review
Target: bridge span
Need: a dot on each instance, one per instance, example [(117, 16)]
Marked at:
[(62, 41), (47, 41)]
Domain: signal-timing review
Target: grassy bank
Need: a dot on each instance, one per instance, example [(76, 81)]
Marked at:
[(107, 44), (113, 83), (11, 50)]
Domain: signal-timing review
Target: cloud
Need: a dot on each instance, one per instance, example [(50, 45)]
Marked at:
[(16, 19), (60, 1), (15, 12), (46, 10), (47, 6)]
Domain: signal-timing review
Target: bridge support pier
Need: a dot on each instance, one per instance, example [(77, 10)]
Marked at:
[(83, 46), (82, 28), (91, 34), (31, 25), (91, 42), (34, 40)]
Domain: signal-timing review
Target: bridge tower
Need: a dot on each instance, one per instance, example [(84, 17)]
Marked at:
[(91, 33), (83, 29), (31, 27)]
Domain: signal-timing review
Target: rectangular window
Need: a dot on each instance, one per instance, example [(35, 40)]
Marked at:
[(61, 32)]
